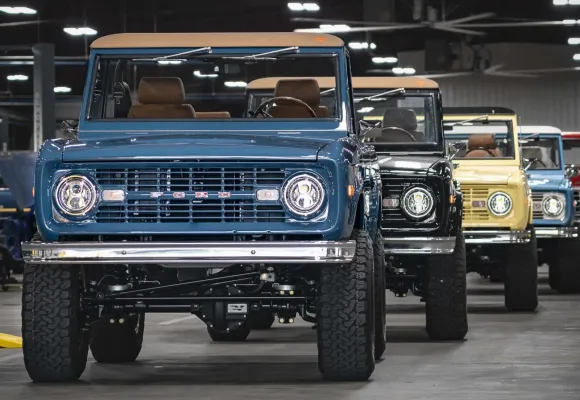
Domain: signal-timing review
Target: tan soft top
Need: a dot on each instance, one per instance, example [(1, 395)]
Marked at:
[(242, 39), (358, 82)]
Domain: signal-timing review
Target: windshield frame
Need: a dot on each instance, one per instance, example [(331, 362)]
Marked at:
[(552, 136), (513, 125), (111, 128), (437, 147)]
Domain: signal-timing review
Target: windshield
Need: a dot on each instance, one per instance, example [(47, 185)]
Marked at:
[(544, 153), (198, 85), (400, 119), (480, 138), (571, 151)]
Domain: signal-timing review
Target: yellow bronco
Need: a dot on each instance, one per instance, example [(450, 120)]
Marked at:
[(497, 211)]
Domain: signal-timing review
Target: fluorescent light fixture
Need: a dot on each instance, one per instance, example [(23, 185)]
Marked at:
[(303, 6), (80, 31), (200, 75), (403, 71), (385, 60), (574, 40), (574, 2), (17, 10), (169, 62), (571, 22), (326, 28), (566, 2), (62, 89), (235, 84), (362, 45), (17, 78), (364, 110)]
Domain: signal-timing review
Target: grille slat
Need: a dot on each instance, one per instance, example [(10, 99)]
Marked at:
[(537, 198), (198, 188), (577, 209), (474, 194)]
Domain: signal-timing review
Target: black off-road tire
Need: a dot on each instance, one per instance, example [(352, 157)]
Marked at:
[(380, 297), (54, 335), (521, 276), (345, 316), (446, 298), (235, 335), (565, 267), (261, 320), (120, 341)]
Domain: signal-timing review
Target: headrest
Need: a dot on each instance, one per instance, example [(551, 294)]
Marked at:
[(400, 117), (306, 90), (481, 141), (213, 114), (161, 91)]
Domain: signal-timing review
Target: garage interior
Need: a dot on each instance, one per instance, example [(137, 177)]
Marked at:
[(522, 55)]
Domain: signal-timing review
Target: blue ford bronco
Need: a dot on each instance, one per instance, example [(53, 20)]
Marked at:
[(553, 205), (165, 197)]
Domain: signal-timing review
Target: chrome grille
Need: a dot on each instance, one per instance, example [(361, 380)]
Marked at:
[(471, 194), (537, 199), (190, 195)]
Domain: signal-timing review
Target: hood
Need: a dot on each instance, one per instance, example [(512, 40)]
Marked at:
[(488, 175), (17, 170), (411, 163), (540, 181), (192, 146)]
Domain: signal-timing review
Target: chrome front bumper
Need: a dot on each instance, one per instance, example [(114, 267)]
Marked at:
[(496, 237), (419, 245), (201, 253), (556, 232)]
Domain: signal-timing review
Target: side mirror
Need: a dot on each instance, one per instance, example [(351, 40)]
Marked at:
[(71, 127), (365, 127), (571, 171)]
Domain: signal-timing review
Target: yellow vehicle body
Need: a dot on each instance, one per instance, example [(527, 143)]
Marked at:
[(482, 177)]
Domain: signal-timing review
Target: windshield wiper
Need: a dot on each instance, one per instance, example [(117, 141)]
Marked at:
[(484, 117), (532, 136), (171, 58), (268, 55), (390, 92), (328, 91)]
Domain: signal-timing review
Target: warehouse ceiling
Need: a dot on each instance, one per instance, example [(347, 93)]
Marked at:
[(112, 16)]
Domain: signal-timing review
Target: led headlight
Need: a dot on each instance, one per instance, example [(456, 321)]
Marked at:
[(500, 204), (75, 195), (417, 202), (303, 195), (553, 205)]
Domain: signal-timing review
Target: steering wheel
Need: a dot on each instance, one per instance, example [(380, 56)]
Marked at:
[(537, 160), (396, 128), (260, 109), (481, 148)]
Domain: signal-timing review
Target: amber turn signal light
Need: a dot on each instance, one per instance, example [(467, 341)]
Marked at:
[(350, 190)]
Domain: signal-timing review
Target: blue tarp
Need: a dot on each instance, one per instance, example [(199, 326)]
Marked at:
[(17, 170)]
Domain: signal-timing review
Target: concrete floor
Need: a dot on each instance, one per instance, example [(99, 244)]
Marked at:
[(531, 356)]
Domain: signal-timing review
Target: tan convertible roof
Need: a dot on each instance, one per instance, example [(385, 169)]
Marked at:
[(245, 39), (358, 82)]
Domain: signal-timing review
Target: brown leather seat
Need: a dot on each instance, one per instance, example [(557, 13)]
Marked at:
[(306, 90), (395, 119), (161, 98), (482, 145), (212, 114)]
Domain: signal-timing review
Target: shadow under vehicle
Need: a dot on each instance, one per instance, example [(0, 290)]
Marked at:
[(422, 206), (497, 207), (158, 206), (16, 210)]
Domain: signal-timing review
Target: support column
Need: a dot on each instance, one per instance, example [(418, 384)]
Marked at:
[(4, 134), (44, 98)]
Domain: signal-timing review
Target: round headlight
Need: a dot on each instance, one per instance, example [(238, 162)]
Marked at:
[(553, 205), (417, 202), (500, 204), (303, 195), (75, 195)]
